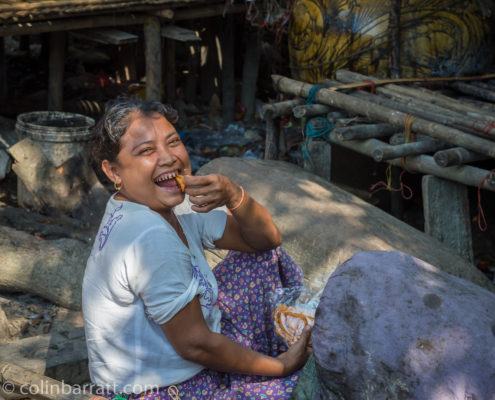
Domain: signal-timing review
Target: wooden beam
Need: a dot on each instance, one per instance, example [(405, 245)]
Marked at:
[(153, 56), (67, 24)]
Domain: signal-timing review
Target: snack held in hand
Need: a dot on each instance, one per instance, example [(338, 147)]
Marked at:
[(290, 322), (180, 182)]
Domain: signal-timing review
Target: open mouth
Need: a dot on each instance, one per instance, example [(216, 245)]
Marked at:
[(166, 180)]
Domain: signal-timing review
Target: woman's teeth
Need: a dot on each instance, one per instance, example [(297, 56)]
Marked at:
[(166, 177)]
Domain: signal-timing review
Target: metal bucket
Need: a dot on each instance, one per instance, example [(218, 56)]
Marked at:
[(62, 137)]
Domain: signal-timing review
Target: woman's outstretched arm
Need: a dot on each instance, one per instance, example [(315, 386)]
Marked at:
[(191, 338), (249, 225)]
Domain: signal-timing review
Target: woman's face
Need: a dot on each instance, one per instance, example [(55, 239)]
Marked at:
[(151, 155)]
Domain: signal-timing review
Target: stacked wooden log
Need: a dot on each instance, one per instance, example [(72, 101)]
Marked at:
[(443, 134)]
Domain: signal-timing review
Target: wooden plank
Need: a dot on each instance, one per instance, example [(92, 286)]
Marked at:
[(107, 36), (446, 212), (180, 34)]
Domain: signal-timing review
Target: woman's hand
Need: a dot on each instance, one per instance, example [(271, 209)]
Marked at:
[(249, 225), (211, 191), (297, 355)]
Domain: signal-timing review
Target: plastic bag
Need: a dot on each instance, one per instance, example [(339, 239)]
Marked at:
[(293, 308)]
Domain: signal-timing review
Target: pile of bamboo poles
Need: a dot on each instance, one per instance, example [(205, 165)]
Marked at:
[(446, 134)]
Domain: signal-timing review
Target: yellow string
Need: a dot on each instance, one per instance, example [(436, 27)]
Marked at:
[(407, 130), (408, 124)]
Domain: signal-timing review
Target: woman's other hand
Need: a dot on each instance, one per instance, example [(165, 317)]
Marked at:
[(297, 355)]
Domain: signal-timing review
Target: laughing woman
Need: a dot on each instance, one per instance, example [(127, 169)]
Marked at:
[(160, 324)]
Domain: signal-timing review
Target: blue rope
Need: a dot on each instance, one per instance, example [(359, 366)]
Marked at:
[(314, 131), (321, 129), (312, 93)]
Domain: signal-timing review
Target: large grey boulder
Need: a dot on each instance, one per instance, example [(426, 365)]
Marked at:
[(323, 225), (390, 326)]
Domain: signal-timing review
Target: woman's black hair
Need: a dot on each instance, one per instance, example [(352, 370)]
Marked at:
[(116, 120)]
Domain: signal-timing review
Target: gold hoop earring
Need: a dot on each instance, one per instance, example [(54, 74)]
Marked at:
[(117, 186)]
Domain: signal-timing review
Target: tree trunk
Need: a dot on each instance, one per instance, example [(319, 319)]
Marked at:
[(52, 269)]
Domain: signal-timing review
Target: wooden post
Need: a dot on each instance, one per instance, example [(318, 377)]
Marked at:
[(272, 138), (56, 70), (209, 71), (321, 157), (394, 25), (153, 57), (3, 71), (228, 92), (446, 211), (170, 70), (250, 71)]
